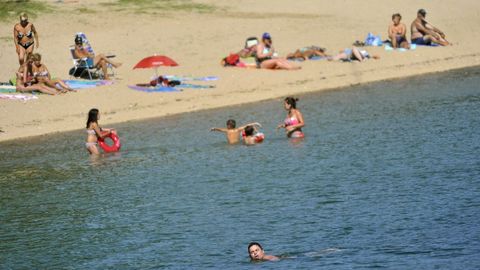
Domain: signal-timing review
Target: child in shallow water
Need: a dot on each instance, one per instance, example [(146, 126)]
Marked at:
[(232, 132), (94, 132), (251, 136)]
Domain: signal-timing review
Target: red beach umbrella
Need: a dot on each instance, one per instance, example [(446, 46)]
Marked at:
[(155, 61)]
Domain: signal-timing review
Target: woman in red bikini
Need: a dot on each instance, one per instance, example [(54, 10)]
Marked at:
[(294, 122)]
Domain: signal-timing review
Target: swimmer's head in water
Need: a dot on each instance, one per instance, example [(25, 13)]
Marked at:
[(92, 116), (231, 124), (290, 103), (255, 251), (249, 130)]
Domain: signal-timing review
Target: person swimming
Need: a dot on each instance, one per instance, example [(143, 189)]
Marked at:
[(256, 253), (232, 132), (294, 122)]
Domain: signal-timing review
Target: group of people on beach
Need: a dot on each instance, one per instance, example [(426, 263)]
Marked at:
[(33, 75), (265, 56)]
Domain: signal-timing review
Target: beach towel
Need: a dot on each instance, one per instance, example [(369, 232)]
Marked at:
[(390, 48), (17, 97), (194, 86), (313, 58), (7, 88), (187, 78), (83, 84), (154, 89)]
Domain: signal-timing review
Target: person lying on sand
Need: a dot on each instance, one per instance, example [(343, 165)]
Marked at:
[(26, 82), (256, 253), (160, 81), (423, 33), (99, 61), (268, 59), (307, 53), (397, 32), (353, 54), (232, 132), (42, 75)]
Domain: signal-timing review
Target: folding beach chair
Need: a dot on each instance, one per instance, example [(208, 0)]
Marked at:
[(84, 68)]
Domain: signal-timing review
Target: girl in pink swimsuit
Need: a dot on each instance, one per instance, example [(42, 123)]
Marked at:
[(294, 122)]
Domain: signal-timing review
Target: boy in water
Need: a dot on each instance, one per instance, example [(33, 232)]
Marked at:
[(256, 253), (252, 136), (232, 132)]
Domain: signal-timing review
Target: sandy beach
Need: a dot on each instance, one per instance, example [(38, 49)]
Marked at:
[(198, 41)]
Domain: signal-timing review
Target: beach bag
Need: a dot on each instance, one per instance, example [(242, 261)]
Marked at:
[(373, 40)]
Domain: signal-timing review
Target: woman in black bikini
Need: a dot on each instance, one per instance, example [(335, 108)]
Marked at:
[(23, 35)]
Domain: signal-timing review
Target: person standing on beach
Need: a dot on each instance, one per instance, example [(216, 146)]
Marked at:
[(24, 34), (397, 32), (423, 33), (256, 253)]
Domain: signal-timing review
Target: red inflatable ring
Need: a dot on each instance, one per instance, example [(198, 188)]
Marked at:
[(115, 147)]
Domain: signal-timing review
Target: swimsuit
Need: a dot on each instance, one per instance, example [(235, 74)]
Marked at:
[(20, 35), (290, 121), (421, 41), (89, 144), (260, 60)]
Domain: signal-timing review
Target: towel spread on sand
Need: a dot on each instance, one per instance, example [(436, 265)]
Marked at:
[(187, 78), (83, 84), (390, 48), (17, 97), (7, 88), (152, 89)]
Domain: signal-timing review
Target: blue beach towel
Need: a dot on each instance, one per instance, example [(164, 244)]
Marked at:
[(154, 89), (194, 86), (83, 84), (186, 78), (390, 48)]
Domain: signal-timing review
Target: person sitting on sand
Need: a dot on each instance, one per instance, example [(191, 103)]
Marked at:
[(24, 34), (42, 75), (25, 80), (267, 57), (232, 132), (94, 131), (294, 122), (307, 53), (397, 32), (353, 54), (99, 61), (251, 135), (423, 33), (256, 253)]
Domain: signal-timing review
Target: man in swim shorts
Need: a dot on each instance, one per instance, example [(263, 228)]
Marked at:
[(233, 133), (256, 253), (423, 33)]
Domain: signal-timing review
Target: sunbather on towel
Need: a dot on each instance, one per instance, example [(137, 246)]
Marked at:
[(397, 32), (160, 81), (26, 83), (307, 53), (423, 33), (99, 61), (42, 75), (353, 54), (268, 59)]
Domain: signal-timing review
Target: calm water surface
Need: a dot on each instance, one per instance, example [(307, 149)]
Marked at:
[(387, 177)]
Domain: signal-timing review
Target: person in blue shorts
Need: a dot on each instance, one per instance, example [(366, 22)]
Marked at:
[(423, 33)]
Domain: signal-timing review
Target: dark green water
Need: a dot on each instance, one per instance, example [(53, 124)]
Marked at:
[(387, 177)]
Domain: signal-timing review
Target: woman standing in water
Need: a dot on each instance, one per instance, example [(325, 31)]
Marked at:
[(294, 122), (94, 132), (23, 34)]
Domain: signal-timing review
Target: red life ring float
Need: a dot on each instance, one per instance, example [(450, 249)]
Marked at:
[(259, 137), (115, 147)]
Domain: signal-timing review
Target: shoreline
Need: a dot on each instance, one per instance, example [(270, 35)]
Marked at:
[(318, 91), (198, 41)]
